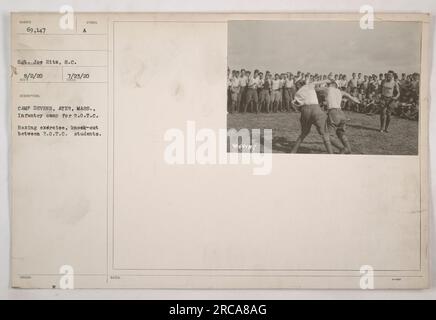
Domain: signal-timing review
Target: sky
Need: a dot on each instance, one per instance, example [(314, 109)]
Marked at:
[(323, 46)]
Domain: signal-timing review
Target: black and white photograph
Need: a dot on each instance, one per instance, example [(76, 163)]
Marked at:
[(326, 87), (260, 153)]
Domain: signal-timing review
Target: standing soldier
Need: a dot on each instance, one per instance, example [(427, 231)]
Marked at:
[(360, 80), (285, 95), (259, 89), (390, 91), (289, 92), (404, 83), (234, 91), (265, 93), (352, 84), (276, 93), (243, 79), (252, 98), (229, 95)]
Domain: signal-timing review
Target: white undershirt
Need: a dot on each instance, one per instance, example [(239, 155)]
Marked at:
[(306, 95), (334, 98)]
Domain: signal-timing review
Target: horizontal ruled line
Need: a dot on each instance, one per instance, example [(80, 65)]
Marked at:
[(68, 82), (62, 34), (59, 66), (84, 50)]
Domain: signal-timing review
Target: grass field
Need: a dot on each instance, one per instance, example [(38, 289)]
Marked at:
[(362, 131)]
